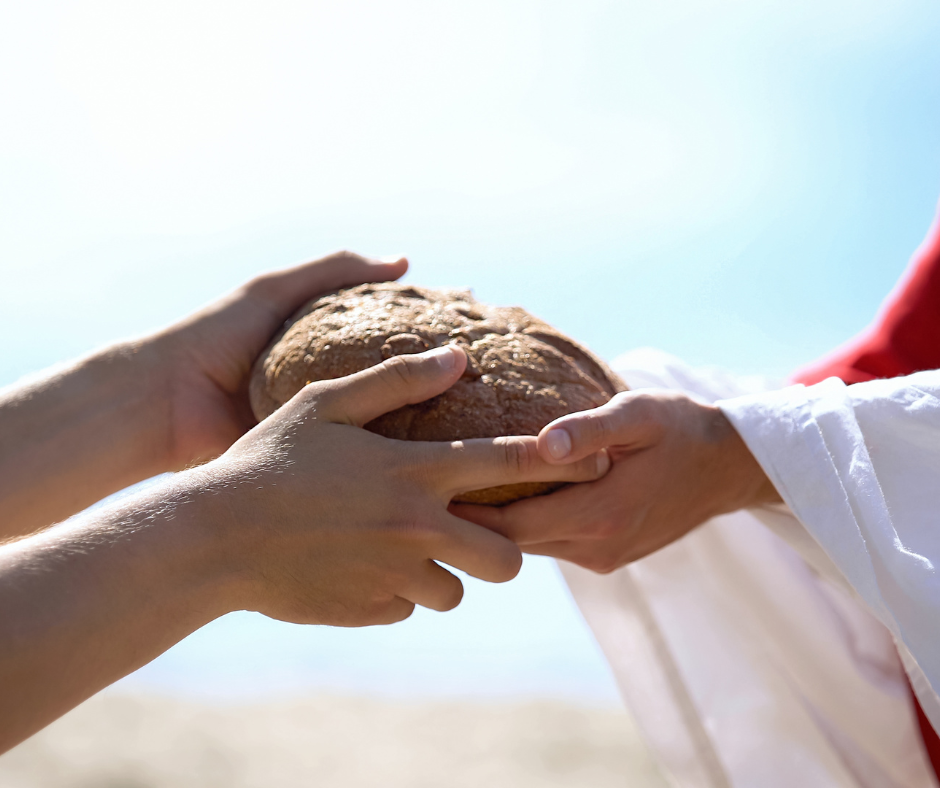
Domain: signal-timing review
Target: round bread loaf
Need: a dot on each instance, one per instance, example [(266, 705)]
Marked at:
[(521, 373)]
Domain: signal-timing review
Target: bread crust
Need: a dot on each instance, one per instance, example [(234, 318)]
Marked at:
[(521, 373)]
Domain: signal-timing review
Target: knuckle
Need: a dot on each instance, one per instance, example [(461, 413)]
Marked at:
[(601, 424), (259, 286), (318, 399), (620, 399), (413, 529), (317, 391), (264, 292), (648, 410), (516, 456), (340, 256), (601, 564), (594, 428), (417, 463), (398, 370)]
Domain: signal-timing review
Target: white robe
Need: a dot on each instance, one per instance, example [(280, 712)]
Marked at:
[(750, 651)]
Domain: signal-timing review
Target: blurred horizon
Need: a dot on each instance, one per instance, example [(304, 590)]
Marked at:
[(738, 183)]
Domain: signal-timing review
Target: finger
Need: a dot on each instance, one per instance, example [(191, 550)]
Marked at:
[(399, 381), (627, 419), (391, 613), (287, 289), (560, 516), (598, 556), (462, 466), (433, 587), (567, 551), (585, 556), (476, 551)]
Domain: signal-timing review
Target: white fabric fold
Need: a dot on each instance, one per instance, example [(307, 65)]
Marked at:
[(859, 467), (741, 649)]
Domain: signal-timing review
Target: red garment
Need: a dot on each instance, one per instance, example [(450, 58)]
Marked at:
[(905, 336), (903, 339)]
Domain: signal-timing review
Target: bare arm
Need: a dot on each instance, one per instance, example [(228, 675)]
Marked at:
[(307, 518), (79, 434), (89, 601), (158, 404)]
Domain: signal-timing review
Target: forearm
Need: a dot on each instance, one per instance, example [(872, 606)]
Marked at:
[(88, 601), (742, 482), (307, 518), (79, 434)]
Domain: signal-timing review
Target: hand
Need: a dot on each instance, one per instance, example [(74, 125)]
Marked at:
[(335, 525), (676, 463), (307, 518), (207, 358)]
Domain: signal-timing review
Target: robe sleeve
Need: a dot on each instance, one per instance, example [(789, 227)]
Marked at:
[(738, 650), (859, 466)]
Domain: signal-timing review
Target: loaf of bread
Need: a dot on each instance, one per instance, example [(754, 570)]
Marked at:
[(521, 373)]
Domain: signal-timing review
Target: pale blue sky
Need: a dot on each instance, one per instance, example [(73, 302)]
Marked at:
[(736, 181)]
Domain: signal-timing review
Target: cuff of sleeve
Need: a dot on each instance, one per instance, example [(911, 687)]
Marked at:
[(782, 430)]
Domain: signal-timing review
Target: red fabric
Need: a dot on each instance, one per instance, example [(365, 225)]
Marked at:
[(929, 735), (903, 339), (905, 336)]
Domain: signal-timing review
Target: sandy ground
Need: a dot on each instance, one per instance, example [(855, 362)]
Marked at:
[(121, 741)]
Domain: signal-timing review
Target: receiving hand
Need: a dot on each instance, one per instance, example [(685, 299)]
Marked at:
[(332, 524), (676, 462), (307, 518), (206, 359)]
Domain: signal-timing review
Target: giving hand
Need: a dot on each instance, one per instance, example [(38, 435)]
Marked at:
[(676, 462)]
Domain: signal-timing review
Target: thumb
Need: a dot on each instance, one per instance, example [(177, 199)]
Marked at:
[(399, 381), (285, 290), (623, 421)]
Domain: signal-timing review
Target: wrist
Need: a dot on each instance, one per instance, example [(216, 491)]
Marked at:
[(179, 535), (224, 533), (142, 370), (182, 435), (745, 485)]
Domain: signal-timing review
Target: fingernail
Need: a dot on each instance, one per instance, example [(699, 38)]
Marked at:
[(558, 443), (445, 357), (393, 258), (603, 462)]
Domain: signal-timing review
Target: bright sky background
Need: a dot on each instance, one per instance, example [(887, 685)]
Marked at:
[(738, 182)]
